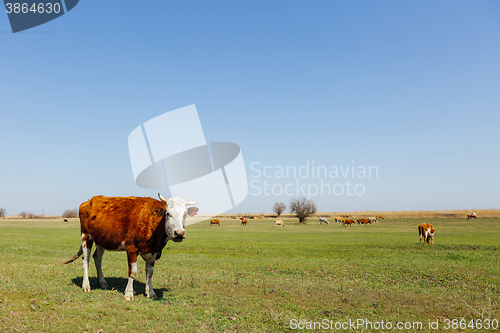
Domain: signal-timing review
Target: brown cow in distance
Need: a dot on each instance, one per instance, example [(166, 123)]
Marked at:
[(140, 226), (347, 221), (214, 222), (364, 221), (244, 221), (426, 231)]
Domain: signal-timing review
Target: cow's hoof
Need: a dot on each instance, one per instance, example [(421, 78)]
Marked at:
[(104, 285), (152, 296), (129, 298), (86, 289)]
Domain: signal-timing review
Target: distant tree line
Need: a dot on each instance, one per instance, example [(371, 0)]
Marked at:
[(302, 207), (68, 213), (30, 215)]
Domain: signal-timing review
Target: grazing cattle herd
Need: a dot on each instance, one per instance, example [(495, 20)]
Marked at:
[(143, 226)]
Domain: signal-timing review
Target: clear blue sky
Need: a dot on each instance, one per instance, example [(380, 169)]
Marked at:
[(411, 87)]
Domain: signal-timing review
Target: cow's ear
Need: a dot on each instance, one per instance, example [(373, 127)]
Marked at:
[(158, 212), (192, 211)]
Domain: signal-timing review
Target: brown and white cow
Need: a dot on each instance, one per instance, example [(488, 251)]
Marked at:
[(364, 221), (426, 231), (214, 222), (472, 216), (339, 219), (279, 223), (347, 221), (140, 226), (373, 219), (380, 217), (323, 220), (244, 222)]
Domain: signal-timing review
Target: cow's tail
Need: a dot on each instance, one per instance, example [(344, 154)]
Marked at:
[(76, 256)]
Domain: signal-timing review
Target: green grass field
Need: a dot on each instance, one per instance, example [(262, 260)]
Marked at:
[(256, 278)]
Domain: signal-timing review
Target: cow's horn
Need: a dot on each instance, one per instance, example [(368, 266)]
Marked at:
[(162, 198), (191, 202)]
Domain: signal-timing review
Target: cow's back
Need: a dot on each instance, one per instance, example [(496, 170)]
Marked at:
[(114, 222)]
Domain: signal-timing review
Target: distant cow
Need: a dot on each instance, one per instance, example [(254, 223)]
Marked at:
[(215, 222), (261, 217), (381, 217), (323, 220), (364, 221), (472, 216), (140, 226), (244, 222), (347, 221), (373, 219), (426, 231), (279, 223), (339, 219), (65, 220), (345, 216)]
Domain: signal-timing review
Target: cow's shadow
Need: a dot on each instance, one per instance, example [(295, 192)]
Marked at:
[(120, 284)]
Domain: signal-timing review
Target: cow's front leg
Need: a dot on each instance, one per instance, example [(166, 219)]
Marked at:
[(132, 273), (150, 263), (87, 247), (99, 252), (149, 280)]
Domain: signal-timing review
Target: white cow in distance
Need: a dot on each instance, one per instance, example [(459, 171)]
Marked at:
[(279, 223), (323, 220)]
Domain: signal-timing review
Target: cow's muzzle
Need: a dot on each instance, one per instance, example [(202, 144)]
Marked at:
[(179, 235)]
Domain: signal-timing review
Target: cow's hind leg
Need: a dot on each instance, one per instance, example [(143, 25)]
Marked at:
[(99, 252), (87, 247), (132, 273)]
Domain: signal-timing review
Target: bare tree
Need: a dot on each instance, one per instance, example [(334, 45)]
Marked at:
[(2, 212), (23, 214), (68, 213), (279, 208), (303, 208)]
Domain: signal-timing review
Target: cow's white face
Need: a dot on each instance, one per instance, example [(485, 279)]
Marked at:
[(175, 217)]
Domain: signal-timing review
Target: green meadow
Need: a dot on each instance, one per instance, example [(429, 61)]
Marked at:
[(259, 278)]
